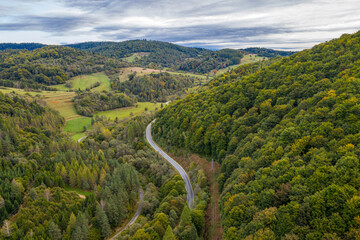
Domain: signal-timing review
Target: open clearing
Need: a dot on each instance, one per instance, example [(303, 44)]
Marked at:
[(135, 56), (124, 73), (77, 125), (80, 192), (250, 58), (86, 81), (58, 100)]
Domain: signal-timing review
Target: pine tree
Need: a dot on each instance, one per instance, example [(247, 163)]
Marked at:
[(103, 222), (32, 193), (81, 231), (55, 231), (169, 235), (72, 178), (72, 222), (185, 218)]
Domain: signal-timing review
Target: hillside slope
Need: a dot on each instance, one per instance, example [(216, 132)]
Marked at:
[(288, 140), (46, 66)]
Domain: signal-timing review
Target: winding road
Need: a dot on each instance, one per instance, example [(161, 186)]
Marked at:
[(183, 174)]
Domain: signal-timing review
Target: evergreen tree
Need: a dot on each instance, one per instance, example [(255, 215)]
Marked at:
[(81, 231), (169, 235), (103, 222), (55, 231)]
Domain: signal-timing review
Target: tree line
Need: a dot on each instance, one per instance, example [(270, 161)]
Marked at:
[(88, 103)]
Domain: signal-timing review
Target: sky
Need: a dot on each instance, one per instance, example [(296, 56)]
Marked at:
[(213, 24)]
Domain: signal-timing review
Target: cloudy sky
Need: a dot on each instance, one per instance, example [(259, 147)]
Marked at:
[(279, 24)]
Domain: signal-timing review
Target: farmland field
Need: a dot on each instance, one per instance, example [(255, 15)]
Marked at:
[(58, 100), (86, 81)]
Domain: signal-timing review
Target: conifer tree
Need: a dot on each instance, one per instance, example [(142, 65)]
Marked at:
[(169, 235), (103, 222)]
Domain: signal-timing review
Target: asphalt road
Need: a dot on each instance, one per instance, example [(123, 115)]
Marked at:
[(183, 174), (135, 217)]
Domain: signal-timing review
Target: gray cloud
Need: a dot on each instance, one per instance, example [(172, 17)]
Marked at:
[(47, 24), (294, 24)]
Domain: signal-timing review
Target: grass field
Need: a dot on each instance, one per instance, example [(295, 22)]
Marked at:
[(85, 81), (246, 59), (58, 100), (61, 101), (122, 113), (77, 125)]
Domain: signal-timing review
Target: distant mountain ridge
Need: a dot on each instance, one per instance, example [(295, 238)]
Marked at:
[(266, 52), (27, 46), (157, 54)]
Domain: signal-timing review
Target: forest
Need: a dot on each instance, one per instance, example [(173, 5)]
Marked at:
[(39, 162), (287, 138), (43, 67), (88, 103), (27, 46)]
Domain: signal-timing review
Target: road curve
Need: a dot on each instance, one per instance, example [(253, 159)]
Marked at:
[(135, 217), (183, 174)]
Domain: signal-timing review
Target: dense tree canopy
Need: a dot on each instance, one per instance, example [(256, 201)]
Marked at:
[(27, 46), (287, 138)]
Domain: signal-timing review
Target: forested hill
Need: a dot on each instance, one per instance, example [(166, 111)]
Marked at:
[(46, 66), (156, 54), (126, 48), (287, 138), (27, 46)]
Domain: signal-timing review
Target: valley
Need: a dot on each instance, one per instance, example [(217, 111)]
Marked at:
[(247, 144)]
